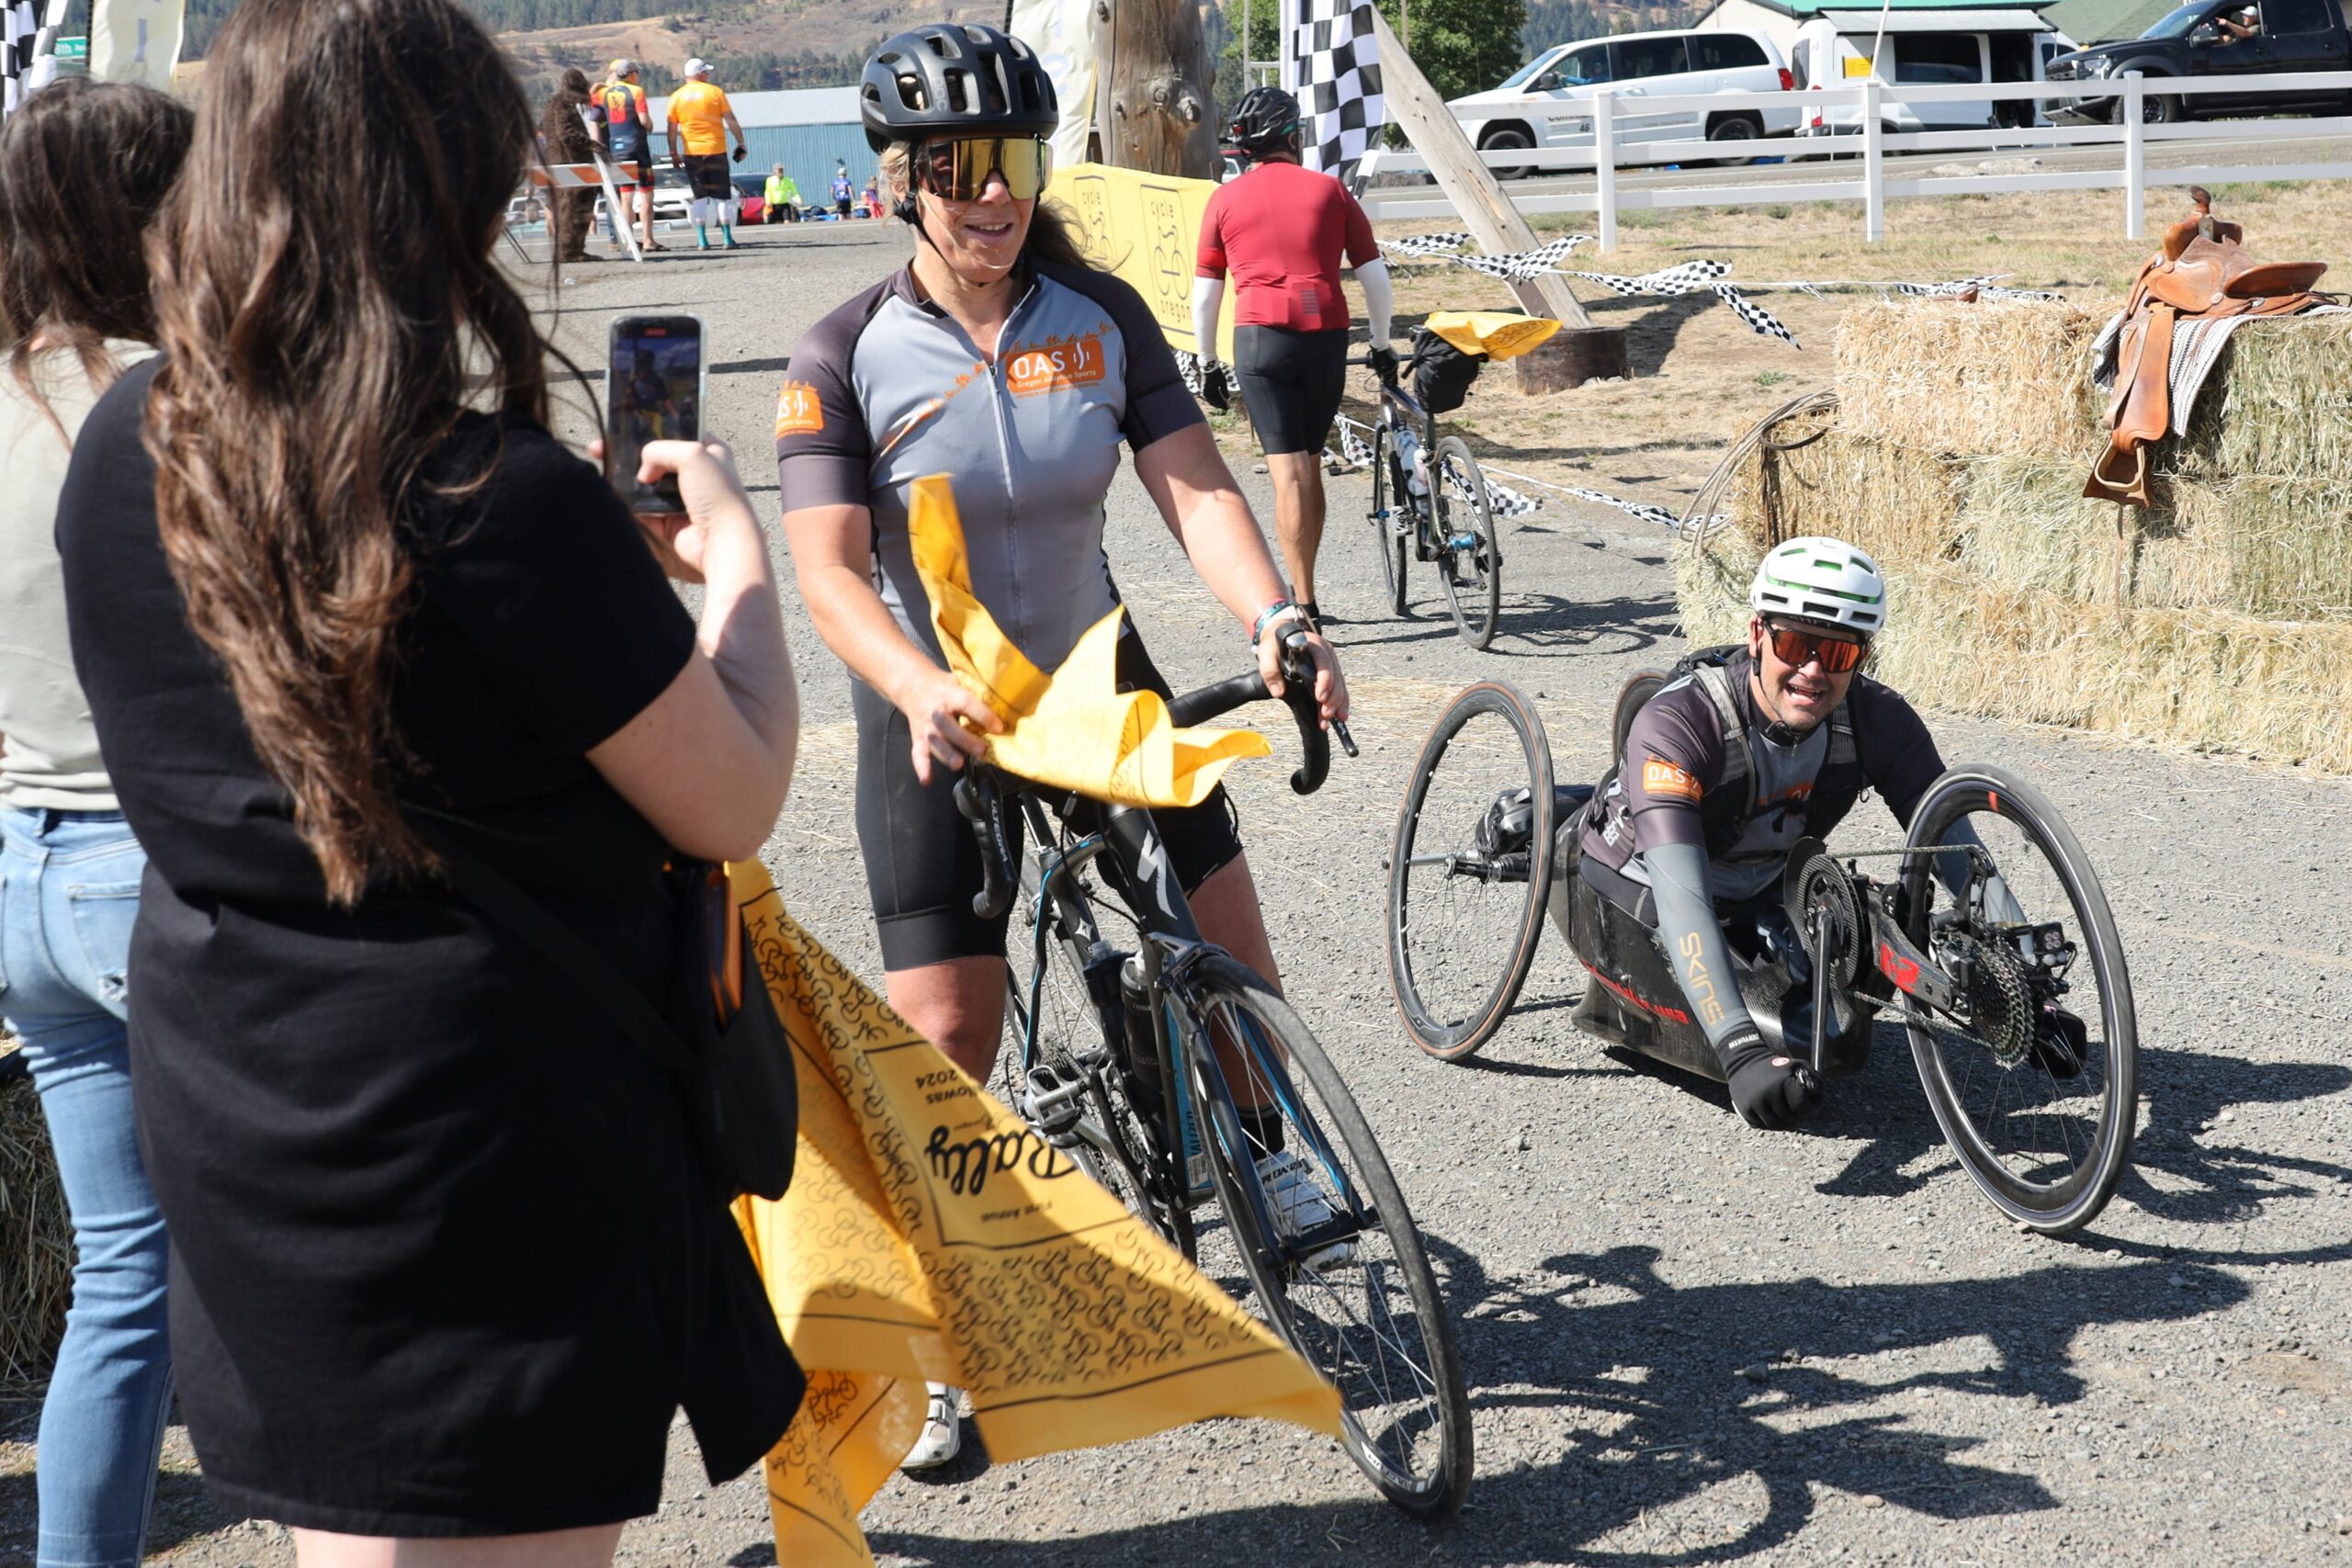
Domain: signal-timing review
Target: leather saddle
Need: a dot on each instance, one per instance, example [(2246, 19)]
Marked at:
[(2203, 271)]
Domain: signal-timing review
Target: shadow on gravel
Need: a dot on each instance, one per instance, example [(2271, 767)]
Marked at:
[(1663, 1393), (1549, 623), (182, 1512)]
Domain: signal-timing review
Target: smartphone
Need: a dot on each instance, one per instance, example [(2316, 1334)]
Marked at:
[(654, 386)]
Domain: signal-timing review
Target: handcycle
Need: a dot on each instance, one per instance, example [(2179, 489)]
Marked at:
[(1429, 502), (1163, 1066), (1986, 932)]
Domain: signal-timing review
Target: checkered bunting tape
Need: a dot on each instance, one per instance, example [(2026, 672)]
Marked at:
[(1425, 245), (1524, 265), (1501, 500)]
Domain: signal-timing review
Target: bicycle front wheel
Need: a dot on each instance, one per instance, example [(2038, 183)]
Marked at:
[(1470, 557), (1389, 497), (2034, 1085), (1469, 870), (1326, 1239)]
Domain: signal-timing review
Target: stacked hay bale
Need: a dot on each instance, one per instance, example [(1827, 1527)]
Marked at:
[(36, 1240), (2219, 617)]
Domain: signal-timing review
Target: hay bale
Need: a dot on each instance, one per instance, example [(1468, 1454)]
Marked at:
[(2279, 402), (2269, 549), (36, 1242), (1998, 379), (2204, 679), (1901, 503)]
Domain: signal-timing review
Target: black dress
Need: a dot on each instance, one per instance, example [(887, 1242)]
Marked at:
[(441, 1264)]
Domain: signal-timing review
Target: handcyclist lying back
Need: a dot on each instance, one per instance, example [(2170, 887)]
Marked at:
[(1724, 769)]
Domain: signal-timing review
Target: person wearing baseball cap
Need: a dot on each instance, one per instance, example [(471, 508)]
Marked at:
[(620, 109), (700, 112)]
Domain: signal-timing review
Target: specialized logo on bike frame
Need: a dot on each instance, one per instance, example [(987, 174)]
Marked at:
[(1056, 365), (1665, 778), (966, 1165), (799, 410)]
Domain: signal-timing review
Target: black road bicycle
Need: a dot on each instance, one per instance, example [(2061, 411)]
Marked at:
[(1429, 502), (1169, 1071), (1988, 934)]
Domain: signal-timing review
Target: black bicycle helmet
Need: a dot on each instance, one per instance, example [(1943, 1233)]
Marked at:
[(1264, 121), (950, 79)]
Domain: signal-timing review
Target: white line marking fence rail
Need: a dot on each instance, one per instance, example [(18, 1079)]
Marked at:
[(2132, 137)]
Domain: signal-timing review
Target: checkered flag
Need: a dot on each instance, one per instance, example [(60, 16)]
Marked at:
[(1331, 61), (27, 57)]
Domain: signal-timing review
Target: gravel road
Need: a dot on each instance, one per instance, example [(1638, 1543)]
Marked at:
[(1687, 1341)]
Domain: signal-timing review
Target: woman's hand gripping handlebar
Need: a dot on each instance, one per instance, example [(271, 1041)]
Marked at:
[(983, 802)]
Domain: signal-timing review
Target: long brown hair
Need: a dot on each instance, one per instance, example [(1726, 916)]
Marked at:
[(84, 167), (323, 275)]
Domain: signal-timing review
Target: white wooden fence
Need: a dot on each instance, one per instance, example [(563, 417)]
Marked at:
[(1609, 152)]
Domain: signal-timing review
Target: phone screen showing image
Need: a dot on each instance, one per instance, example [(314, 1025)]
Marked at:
[(653, 391)]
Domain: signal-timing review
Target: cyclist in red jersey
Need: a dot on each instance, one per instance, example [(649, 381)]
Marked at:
[(1279, 230)]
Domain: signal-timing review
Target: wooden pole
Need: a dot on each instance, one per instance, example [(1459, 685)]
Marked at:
[(1156, 83), (1467, 182)]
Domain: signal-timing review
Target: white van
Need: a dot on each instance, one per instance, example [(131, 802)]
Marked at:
[(1843, 48), (1547, 102)]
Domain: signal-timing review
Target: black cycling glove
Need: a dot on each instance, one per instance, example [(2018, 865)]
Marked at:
[(741, 153), (1384, 365), (1213, 392), (1770, 1091)]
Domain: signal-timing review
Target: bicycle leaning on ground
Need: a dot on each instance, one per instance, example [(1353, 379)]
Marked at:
[(1429, 502), (1166, 1069)]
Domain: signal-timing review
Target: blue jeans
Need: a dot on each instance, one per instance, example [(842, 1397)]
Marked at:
[(69, 891)]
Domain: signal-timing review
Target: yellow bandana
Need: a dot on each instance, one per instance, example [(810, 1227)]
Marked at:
[(1073, 729), (929, 1233)]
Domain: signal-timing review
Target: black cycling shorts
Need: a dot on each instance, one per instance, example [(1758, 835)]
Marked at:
[(707, 177), (1291, 383), (923, 866)]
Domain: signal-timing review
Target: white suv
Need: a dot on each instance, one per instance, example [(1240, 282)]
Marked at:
[(1546, 102)]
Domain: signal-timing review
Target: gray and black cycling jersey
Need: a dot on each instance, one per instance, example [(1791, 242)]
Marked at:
[(888, 388)]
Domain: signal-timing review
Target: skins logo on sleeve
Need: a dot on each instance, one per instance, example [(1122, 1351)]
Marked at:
[(799, 410), (1665, 778), (1057, 365)]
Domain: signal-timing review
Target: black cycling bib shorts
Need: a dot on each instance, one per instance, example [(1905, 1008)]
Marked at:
[(1291, 382)]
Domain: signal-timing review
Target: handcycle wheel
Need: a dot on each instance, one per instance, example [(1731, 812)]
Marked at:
[(1390, 540), (1116, 1146), (1354, 1294), (1470, 557), (1465, 917), (2046, 1145)]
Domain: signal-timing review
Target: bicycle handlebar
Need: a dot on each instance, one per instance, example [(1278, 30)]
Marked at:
[(980, 801)]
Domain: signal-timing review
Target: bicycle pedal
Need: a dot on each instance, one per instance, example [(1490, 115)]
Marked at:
[(1052, 1101)]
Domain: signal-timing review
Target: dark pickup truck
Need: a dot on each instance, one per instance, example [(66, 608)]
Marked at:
[(2202, 41)]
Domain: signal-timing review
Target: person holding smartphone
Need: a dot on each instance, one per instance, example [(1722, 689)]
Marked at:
[(445, 1262), (999, 356)]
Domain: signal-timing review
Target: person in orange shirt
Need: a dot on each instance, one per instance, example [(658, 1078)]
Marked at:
[(626, 132), (701, 114)]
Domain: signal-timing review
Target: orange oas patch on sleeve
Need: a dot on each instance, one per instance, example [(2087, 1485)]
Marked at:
[(799, 410), (1665, 778), (1054, 367)]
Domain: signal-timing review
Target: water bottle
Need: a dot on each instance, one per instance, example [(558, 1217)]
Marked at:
[(1415, 462), (1152, 1083)]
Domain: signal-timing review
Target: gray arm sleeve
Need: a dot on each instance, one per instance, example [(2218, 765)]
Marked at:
[(1685, 912), (1952, 871)]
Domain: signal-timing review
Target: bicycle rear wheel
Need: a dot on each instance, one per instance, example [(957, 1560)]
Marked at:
[(2040, 1112), (1390, 496), (1351, 1290), (1466, 889), (1470, 557)]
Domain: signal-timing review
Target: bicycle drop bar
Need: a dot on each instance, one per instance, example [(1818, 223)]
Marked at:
[(1298, 695)]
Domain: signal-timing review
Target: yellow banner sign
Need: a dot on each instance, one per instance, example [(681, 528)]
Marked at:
[(1146, 229)]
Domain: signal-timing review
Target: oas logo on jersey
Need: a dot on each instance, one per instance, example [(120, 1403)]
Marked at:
[(799, 410), (1665, 778), (1060, 364)]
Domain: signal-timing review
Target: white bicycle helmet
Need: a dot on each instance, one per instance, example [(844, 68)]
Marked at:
[(1821, 580)]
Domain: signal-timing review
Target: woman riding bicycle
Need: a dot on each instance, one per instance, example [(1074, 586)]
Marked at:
[(998, 357)]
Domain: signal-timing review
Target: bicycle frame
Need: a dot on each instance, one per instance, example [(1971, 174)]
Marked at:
[(1399, 409)]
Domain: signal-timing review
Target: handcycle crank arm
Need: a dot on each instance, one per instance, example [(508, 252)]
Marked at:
[(1820, 991), (1909, 970)]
